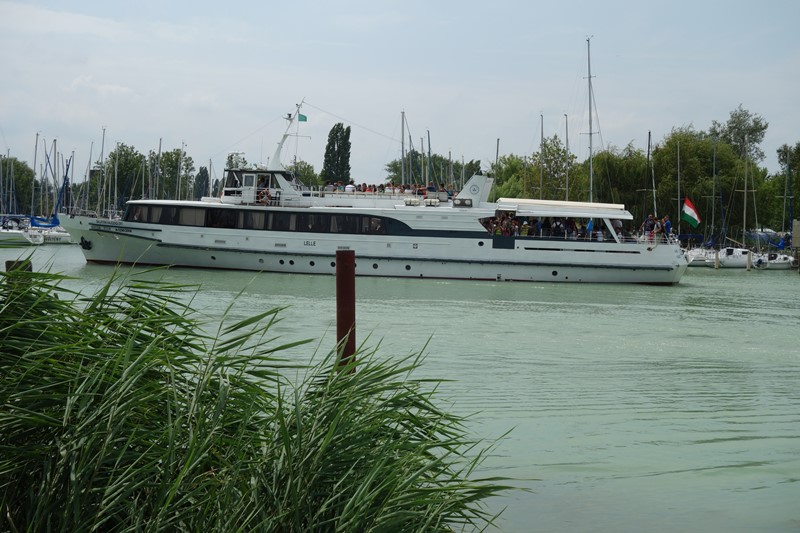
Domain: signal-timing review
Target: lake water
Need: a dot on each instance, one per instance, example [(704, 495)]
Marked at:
[(632, 408)]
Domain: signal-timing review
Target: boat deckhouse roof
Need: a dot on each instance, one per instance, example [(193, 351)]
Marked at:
[(558, 208)]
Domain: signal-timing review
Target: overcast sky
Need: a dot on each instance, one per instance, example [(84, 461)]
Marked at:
[(219, 76)]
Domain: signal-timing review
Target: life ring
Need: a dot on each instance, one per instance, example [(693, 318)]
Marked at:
[(264, 196)]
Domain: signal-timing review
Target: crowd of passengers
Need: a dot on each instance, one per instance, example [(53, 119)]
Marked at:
[(388, 188), (507, 224)]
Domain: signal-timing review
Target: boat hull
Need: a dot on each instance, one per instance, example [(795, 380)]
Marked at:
[(19, 237), (482, 257)]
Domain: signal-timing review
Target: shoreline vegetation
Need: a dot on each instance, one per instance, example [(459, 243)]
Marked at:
[(119, 413)]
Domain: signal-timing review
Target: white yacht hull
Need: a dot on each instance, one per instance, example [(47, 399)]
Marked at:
[(482, 258)]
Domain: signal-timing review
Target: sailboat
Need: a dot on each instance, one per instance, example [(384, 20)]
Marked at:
[(14, 227), (13, 232), (734, 256), (777, 260), (50, 227)]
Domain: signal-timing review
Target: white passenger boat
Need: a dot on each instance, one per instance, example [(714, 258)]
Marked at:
[(265, 221)]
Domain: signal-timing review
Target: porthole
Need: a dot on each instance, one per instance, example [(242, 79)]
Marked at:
[(480, 243), (213, 258), (291, 262), (333, 264), (281, 261), (555, 272), (408, 267), (311, 263), (261, 260), (375, 266)]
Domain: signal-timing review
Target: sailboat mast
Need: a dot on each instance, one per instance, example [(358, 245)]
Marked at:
[(431, 171), (566, 163), (744, 209), (116, 181), (403, 146), (589, 63), (33, 184), (679, 187), (652, 177), (541, 157), (714, 187), (101, 182), (791, 194)]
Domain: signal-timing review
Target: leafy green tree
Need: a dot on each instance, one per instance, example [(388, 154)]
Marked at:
[(706, 169), (304, 172), (789, 159), (175, 182), (236, 160), (619, 176), (556, 164), (336, 165), (16, 180), (512, 177), (544, 174), (127, 176), (441, 170), (744, 131), (201, 183)]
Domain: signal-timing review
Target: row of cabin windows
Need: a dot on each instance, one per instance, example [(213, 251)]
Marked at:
[(261, 220)]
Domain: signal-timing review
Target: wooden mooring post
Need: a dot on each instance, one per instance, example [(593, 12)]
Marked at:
[(346, 306), (20, 264)]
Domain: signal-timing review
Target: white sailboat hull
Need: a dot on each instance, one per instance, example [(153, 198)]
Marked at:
[(20, 237)]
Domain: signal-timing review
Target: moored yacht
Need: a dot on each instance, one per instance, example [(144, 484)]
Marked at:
[(264, 220)]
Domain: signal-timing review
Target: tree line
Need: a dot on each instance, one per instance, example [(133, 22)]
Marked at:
[(707, 166)]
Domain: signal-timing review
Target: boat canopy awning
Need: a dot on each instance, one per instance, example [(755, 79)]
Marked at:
[(555, 208)]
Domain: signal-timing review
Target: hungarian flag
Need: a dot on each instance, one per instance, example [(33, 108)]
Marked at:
[(689, 213)]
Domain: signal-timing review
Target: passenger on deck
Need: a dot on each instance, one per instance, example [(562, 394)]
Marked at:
[(666, 225), (569, 228), (648, 227), (580, 230), (558, 228), (617, 225), (546, 227), (524, 229), (649, 224)]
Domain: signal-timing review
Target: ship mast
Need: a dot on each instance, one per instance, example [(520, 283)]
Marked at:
[(589, 63)]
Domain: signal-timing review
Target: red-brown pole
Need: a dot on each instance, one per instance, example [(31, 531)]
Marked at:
[(346, 304)]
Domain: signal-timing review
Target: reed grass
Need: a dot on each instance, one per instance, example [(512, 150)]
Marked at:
[(118, 413)]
